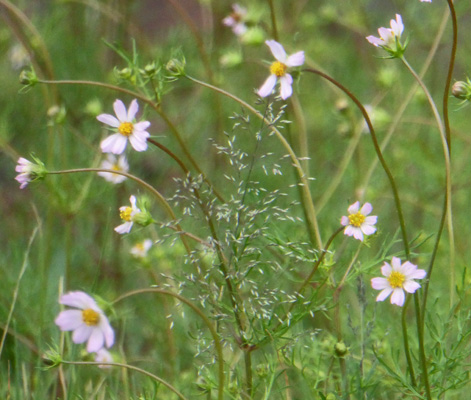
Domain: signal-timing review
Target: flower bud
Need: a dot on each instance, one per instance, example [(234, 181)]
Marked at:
[(461, 90), (340, 349), (176, 67), (143, 218), (28, 78)]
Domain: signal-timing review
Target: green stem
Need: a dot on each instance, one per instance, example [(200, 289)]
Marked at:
[(207, 322), (378, 153), (405, 339), (420, 334), (310, 211), (131, 367), (273, 20)]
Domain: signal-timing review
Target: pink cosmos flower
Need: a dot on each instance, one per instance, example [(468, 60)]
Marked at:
[(236, 20), (126, 129), (127, 213), (388, 37), (398, 278), (87, 321), (358, 223), (116, 164), (278, 70)]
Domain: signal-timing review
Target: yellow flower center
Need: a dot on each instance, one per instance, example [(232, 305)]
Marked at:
[(356, 219), (116, 167), (90, 317), (278, 69), (126, 214), (140, 246), (125, 128), (396, 279)]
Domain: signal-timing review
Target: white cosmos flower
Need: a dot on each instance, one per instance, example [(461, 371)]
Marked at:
[(127, 213), (116, 164), (86, 320), (236, 20), (358, 223), (398, 278), (126, 129), (390, 38), (140, 250), (278, 70)]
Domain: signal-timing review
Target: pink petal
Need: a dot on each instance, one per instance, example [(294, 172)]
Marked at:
[(107, 332), (133, 108), (410, 286), (419, 274), (120, 111), (96, 340), (277, 50), (366, 209), (379, 283), (267, 87), (375, 41), (384, 294), (137, 143), (349, 230), (408, 268), (367, 229), (124, 228), (353, 209), (229, 21), (78, 299), (398, 297), (286, 90), (141, 126), (396, 263), (69, 320), (358, 234), (371, 220), (82, 333), (345, 221), (108, 120), (386, 269), (114, 144), (296, 59)]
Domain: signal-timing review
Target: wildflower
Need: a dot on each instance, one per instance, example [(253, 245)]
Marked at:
[(104, 356), (358, 223), (87, 321), (399, 277), (126, 129), (236, 20), (19, 57), (116, 164), (29, 171), (426, 1), (278, 70), (127, 214), (141, 249), (390, 38)]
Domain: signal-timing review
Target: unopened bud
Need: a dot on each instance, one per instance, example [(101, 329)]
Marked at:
[(340, 349), (176, 66), (28, 78), (461, 90)]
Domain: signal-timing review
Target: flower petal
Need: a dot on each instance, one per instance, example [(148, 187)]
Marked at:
[(277, 50), (419, 274), (120, 111), (379, 283), (410, 286), (358, 234), (344, 221), (367, 229), (96, 340), (69, 320), (353, 209), (141, 126), (132, 111), (114, 144), (285, 86), (124, 228), (296, 59), (386, 269), (366, 209), (82, 333), (384, 294), (108, 119), (267, 87), (398, 297), (137, 143), (396, 263), (371, 220), (78, 299)]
